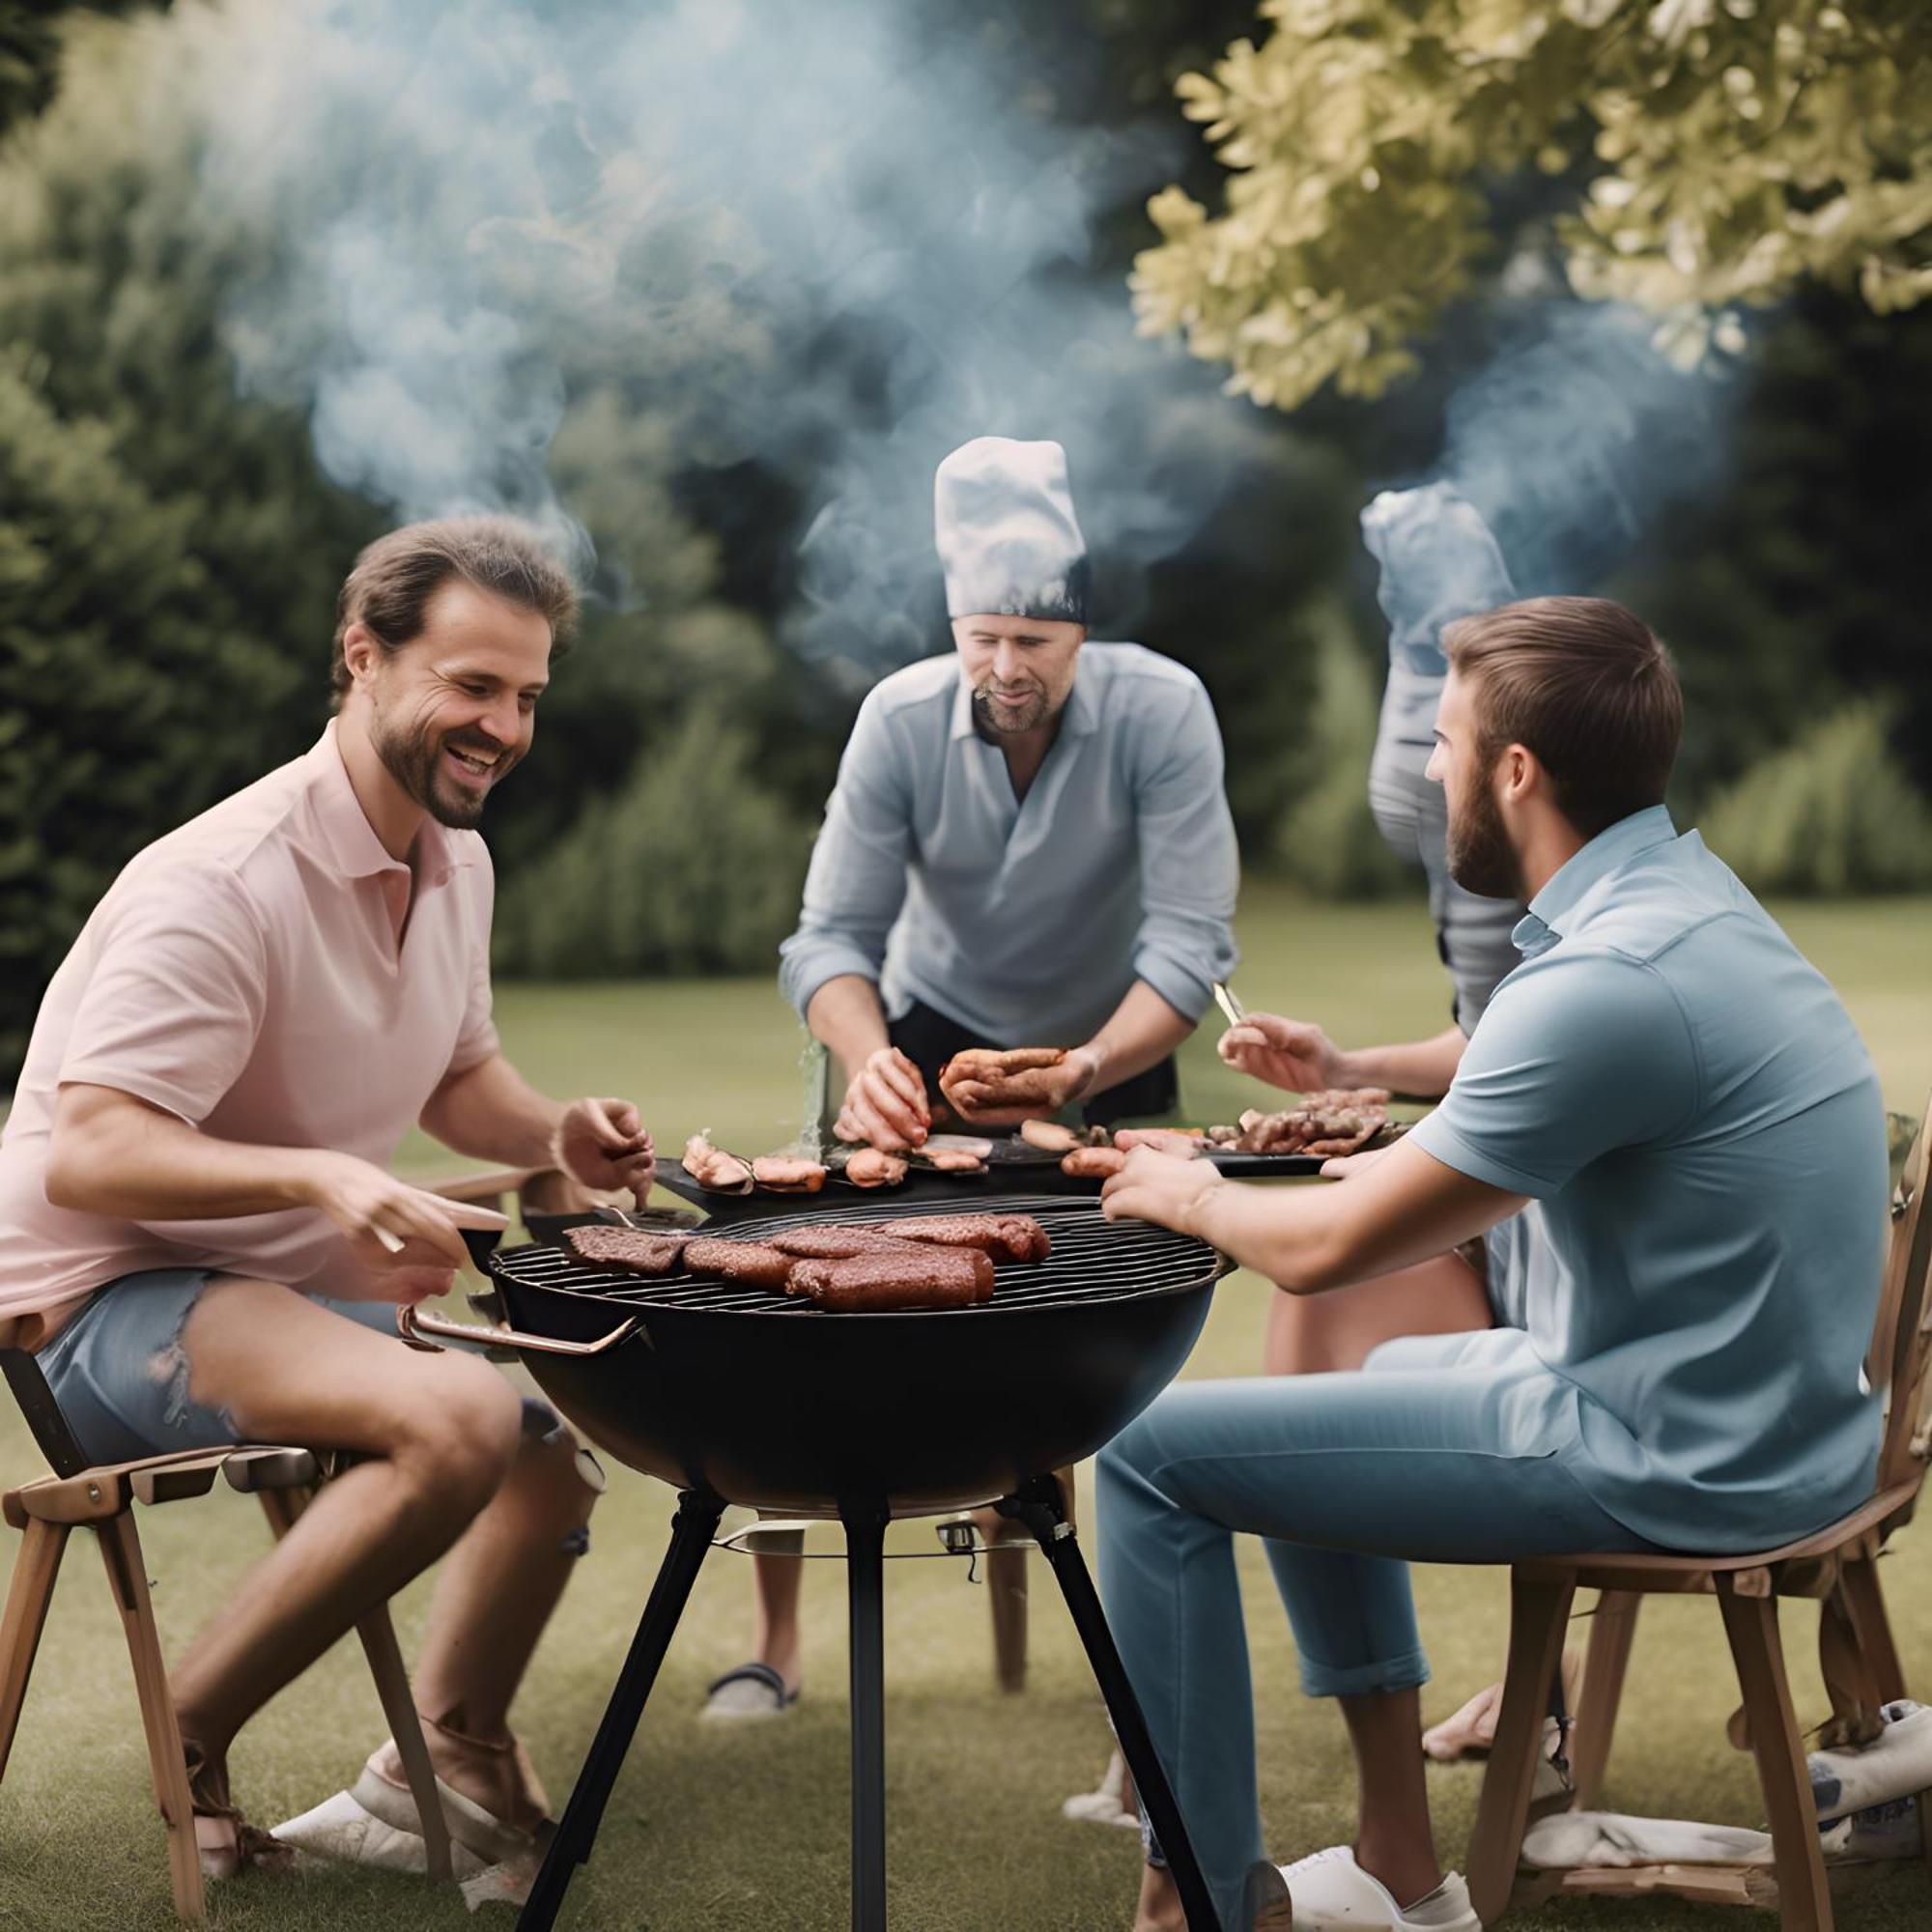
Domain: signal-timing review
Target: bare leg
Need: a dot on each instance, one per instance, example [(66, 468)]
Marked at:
[(779, 1579), (441, 1430), (1393, 1841), (494, 1595)]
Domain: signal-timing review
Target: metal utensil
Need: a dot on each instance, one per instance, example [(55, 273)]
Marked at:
[(1224, 998)]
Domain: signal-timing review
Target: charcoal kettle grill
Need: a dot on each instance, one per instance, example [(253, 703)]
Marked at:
[(744, 1395)]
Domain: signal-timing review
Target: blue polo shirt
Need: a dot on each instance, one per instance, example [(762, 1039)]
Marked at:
[(1699, 1127)]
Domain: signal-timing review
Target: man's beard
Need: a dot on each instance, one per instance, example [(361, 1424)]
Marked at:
[(1481, 858), (995, 719), (414, 758)]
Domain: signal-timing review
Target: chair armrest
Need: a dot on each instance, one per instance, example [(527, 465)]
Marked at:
[(110, 1488)]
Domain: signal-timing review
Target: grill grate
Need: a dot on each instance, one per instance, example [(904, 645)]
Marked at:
[(1092, 1260)]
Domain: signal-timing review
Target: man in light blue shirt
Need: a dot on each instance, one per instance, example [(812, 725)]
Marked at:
[(1028, 843), (1680, 1115)]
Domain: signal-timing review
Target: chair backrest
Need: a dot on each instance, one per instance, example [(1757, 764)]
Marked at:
[(37, 1404), (1902, 1340)]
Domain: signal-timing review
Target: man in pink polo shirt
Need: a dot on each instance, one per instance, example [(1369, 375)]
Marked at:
[(198, 1233)]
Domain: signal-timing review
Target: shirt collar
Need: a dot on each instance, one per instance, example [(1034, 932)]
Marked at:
[(351, 841), (1586, 868), (1079, 716)]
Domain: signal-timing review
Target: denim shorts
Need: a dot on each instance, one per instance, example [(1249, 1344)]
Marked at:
[(119, 1376)]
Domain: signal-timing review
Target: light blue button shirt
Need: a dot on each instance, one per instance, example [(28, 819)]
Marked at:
[(1026, 921), (1701, 1128)]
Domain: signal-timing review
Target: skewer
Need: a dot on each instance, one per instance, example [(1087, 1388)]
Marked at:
[(1225, 999)]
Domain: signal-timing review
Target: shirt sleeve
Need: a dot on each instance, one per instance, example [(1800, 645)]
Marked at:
[(1577, 1056), (1189, 865), (177, 995), (477, 1041), (856, 881)]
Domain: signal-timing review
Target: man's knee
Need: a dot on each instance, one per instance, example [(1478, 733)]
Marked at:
[(464, 1429)]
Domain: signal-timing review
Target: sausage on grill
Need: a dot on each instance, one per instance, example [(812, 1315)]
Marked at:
[(912, 1278), (1006, 1238), (829, 1243), (753, 1264), (634, 1249)]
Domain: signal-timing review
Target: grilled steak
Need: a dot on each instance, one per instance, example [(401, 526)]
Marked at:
[(632, 1248), (829, 1243), (751, 1263), (1006, 1238)]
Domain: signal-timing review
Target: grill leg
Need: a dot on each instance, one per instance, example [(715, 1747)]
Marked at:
[(1043, 1508), (691, 1533), (864, 1547)]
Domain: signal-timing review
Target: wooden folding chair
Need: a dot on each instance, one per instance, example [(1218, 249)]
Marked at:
[(1838, 1566), (101, 1496)]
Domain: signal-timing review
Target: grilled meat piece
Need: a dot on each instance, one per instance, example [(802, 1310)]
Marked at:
[(753, 1264), (953, 1160), (712, 1167), (874, 1167), (1336, 1121), (838, 1243), (634, 1249), (1094, 1162), (1006, 1238), (912, 1278), (787, 1174), (1050, 1137)]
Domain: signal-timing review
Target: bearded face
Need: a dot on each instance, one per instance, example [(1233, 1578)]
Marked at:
[(1020, 669), (447, 771), (1481, 859)]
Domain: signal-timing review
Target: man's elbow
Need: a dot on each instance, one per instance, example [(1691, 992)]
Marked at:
[(75, 1168), (1314, 1266)]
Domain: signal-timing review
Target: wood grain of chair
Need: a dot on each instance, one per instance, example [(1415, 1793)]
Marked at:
[(1837, 1567), (101, 1496)]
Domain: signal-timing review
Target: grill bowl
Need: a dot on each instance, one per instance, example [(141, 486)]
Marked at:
[(764, 1400)]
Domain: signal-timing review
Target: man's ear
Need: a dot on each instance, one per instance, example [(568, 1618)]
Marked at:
[(360, 652), (1519, 774)]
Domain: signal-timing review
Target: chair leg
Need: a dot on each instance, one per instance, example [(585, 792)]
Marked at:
[(384, 1656), (1613, 1629), (34, 1569), (127, 1572), (1751, 1625), (1864, 1598), (1539, 1617)]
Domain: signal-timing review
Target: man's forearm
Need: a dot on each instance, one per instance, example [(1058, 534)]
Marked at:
[(1422, 1069), (115, 1155), (1140, 1032), (846, 1015), (491, 1112)]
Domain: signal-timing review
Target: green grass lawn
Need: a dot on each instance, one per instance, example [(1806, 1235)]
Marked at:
[(747, 1830)]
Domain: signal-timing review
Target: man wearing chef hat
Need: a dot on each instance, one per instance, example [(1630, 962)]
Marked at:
[(1028, 845)]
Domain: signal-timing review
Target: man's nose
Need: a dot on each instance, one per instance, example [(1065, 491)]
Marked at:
[(503, 721), (1006, 662)]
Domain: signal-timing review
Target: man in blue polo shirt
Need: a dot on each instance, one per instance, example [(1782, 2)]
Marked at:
[(1678, 1111)]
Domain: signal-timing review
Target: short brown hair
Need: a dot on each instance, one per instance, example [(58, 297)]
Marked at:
[(1584, 684), (397, 575)]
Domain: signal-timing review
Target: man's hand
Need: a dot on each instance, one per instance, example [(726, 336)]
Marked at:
[(1031, 1094), (1292, 1054), (604, 1145), (886, 1106), (393, 1228), (1159, 1187)]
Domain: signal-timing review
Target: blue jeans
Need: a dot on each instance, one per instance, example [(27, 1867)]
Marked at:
[(1347, 1476)]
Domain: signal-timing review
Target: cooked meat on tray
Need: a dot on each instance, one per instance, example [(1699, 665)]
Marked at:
[(753, 1264), (1051, 1137), (871, 1167), (952, 1161), (909, 1278), (787, 1174), (634, 1248), (1006, 1238), (1337, 1122), (1094, 1163), (713, 1167), (1185, 1142)]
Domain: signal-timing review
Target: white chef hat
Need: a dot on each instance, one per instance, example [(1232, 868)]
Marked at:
[(1003, 518)]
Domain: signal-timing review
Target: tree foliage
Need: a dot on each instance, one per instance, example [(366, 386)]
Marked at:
[(1710, 154)]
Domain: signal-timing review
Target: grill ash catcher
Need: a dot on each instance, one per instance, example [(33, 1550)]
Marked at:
[(742, 1395)]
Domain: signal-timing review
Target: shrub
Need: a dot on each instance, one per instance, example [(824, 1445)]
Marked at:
[(692, 867), (1834, 812)]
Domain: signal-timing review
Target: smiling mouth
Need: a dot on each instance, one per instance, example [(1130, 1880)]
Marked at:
[(474, 765)]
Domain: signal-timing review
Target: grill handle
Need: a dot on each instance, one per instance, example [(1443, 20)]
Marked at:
[(415, 1328)]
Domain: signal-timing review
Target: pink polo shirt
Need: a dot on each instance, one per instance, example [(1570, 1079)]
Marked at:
[(271, 975)]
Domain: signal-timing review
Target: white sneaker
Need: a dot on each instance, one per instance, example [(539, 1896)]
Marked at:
[(1106, 1806), (1329, 1888)]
